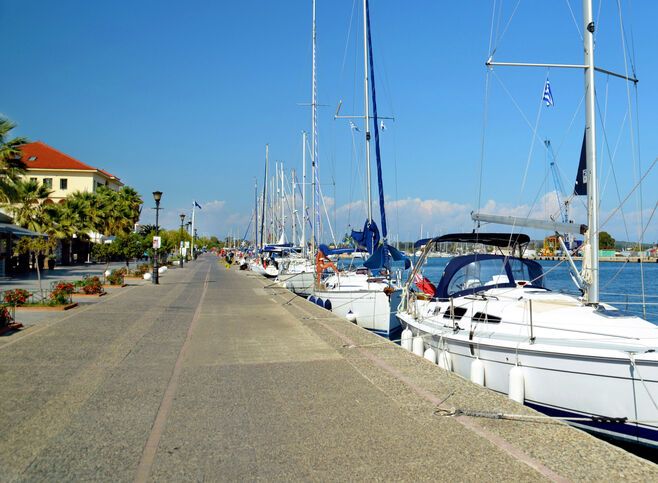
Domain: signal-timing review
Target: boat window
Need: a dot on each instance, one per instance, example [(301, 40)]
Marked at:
[(479, 273), (457, 315), (486, 318)]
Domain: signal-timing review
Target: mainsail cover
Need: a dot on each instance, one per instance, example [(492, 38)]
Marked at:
[(382, 256), (368, 239), (580, 189)]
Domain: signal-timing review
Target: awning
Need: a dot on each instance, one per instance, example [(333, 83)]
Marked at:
[(18, 231)]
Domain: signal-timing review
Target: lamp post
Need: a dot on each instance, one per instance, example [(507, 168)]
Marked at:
[(157, 196), (182, 222), (194, 237), (188, 226)]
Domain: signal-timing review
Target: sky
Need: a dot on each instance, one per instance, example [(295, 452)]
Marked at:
[(182, 97)]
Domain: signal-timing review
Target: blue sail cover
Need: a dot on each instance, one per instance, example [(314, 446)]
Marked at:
[(580, 189), (335, 251), (375, 121), (383, 255), (367, 239)]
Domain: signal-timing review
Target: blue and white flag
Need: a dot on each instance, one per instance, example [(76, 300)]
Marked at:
[(548, 95), (382, 126), (196, 205), (353, 126)]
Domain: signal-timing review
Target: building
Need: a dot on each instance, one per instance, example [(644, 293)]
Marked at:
[(61, 173)]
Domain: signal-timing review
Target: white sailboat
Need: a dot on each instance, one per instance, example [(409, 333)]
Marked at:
[(362, 296), (491, 320)]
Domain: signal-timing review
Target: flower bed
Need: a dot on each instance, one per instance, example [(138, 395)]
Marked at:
[(90, 286), (7, 322)]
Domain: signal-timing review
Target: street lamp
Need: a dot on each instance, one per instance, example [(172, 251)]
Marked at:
[(188, 225), (182, 221), (157, 196)]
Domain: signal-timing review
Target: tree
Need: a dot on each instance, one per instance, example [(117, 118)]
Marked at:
[(606, 242), (29, 210), (11, 166), (130, 246), (40, 246)]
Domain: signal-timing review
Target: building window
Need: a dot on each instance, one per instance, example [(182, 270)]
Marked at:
[(63, 184), (33, 180), (48, 183)]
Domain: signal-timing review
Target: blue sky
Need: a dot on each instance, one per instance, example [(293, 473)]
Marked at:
[(183, 97)]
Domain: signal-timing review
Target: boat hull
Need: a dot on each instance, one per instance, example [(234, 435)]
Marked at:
[(372, 309), (300, 283), (607, 389)]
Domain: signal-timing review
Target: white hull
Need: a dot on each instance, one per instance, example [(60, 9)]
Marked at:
[(299, 283), (373, 309), (583, 373)]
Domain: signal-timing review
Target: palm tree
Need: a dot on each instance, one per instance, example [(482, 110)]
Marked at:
[(29, 209), (11, 166)]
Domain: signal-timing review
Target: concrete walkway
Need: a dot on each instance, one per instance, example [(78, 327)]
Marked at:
[(215, 376)]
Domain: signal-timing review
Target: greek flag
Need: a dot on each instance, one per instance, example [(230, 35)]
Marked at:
[(382, 126), (196, 205), (548, 95)]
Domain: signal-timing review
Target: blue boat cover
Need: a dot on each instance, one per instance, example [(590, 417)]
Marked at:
[(335, 251), (367, 239), (382, 256)]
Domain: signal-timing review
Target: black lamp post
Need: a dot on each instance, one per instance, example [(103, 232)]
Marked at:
[(194, 237), (157, 196), (188, 227), (182, 221)]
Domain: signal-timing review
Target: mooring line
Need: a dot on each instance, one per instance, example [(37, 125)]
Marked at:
[(151, 446)]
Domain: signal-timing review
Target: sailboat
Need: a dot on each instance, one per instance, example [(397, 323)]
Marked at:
[(368, 295), (490, 319)]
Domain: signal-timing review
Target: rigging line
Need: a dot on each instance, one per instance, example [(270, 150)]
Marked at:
[(507, 25), (347, 41), (630, 192), (491, 28), (575, 22), (612, 168), (485, 115)]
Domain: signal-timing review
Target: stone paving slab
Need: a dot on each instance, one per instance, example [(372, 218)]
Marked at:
[(216, 375)]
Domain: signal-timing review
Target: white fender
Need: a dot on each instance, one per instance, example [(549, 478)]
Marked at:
[(445, 360), (430, 355), (516, 385), (405, 339), (418, 346), (477, 371)]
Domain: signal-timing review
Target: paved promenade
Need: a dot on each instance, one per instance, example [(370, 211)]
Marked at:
[(215, 376)]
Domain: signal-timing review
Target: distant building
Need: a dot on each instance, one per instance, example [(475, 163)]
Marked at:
[(62, 173)]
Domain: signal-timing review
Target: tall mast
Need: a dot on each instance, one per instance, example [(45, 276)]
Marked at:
[(304, 193), (294, 208), (592, 235), (314, 141), (283, 205), (263, 221), (255, 213), (366, 102)]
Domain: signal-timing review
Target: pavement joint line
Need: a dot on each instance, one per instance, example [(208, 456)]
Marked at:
[(27, 333), (473, 425), (151, 447)]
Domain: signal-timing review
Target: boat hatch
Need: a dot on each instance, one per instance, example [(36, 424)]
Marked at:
[(454, 312), (486, 318)]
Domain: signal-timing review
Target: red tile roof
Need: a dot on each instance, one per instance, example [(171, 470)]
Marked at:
[(39, 155)]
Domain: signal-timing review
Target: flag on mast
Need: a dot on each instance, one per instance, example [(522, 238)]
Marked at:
[(196, 205), (354, 126), (548, 95)]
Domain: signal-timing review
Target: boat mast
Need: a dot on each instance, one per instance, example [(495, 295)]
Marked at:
[(283, 206), (366, 102), (304, 193), (263, 221), (255, 213), (294, 207), (314, 141), (592, 235)]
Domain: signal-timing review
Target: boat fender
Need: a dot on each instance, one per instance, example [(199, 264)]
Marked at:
[(477, 371), (405, 339), (516, 385), (327, 304), (418, 346), (430, 355), (351, 316), (311, 298), (445, 360), (319, 302)]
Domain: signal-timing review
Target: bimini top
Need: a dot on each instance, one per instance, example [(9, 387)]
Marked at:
[(501, 240)]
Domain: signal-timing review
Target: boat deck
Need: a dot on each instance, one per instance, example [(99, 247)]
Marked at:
[(219, 375)]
